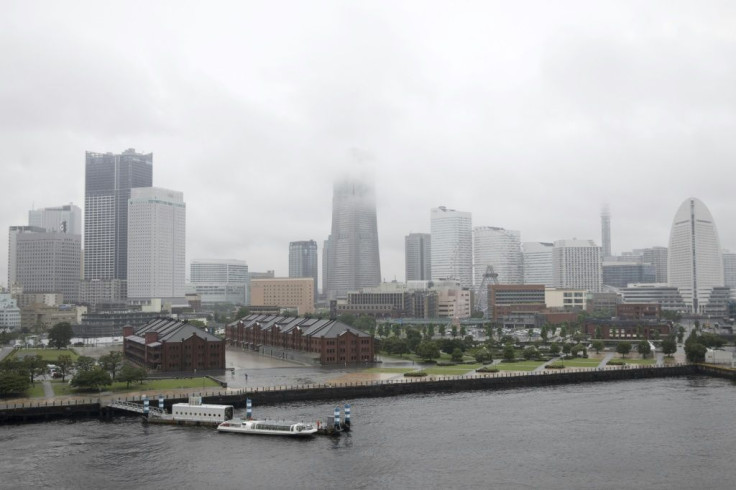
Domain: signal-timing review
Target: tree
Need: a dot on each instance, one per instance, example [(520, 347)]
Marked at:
[(457, 355), (598, 346), (563, 331), (130, 373), (430, 331), (530, 353), (242, 312), (566, 348), (509, 354), (575, 349), (65, 363), (85, 363), (695, 352), (623, 348), (112, 362), (60, 335), (680, 333), (644, 348), (346, 318), (669, 346), (13, 383), (365, 323), (453, 331), (413, 338), (544, 333), (483, 356), (34, 366), (428, 350), (93, 379), (442, 330), (463, 331), (554, 348)]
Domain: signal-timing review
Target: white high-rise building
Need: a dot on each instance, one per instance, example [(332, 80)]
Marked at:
[(61, 219), (418, 253), (452, 245), (729, 271), (695, 262), (537, 258), (500, 249), (156, 244), (577, 264), (9, 313), (220, 280)]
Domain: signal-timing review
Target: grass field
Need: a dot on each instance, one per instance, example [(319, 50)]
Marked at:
[(580, 362), (48, 355), (458, 370), (35, 391), (518, 366), (396, 370), (645, 362)]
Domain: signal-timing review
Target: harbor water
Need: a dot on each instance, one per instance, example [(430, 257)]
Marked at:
[(675, 433)]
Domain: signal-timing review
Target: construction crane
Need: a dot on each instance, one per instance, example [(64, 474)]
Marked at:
[(481, 295)]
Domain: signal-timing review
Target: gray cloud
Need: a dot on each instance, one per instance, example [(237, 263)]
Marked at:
[(531, 115)]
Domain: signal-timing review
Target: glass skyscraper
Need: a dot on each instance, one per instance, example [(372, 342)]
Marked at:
[(452, 245), (353, 256), (303, 261), (108, 180)]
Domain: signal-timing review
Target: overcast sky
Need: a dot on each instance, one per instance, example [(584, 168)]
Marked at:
[(530, 115)]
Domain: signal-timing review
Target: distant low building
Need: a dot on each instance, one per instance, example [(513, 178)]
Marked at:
[(627, 329), (170, 345), (328, 341)]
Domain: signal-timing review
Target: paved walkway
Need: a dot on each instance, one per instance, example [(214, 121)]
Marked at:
[(606, 358), (48, 390), (542, 367)]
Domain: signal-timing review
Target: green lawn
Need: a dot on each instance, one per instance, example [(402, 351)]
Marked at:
[(457, 370), (518, 366), (62, 388), (396, 370), (49, 355), (580, 362), (646, 362), (164, 384), (36, 391)]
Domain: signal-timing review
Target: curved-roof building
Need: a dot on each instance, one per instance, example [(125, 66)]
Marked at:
[(695, 262)]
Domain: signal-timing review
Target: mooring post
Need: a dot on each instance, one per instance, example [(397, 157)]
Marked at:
[(248, 409), (161, 402), (145, 405), (337, 418), (347, 415)]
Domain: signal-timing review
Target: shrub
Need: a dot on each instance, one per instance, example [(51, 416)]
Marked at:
[(555, 365), (446, 363), (616, 362), (415, 374), (487, 369)]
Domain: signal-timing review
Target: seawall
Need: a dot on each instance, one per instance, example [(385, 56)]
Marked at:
[(97, 408)]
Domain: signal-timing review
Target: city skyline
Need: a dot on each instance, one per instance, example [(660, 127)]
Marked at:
[(529, 122)]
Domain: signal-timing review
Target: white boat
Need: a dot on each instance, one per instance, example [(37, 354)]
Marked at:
[(268, 427)]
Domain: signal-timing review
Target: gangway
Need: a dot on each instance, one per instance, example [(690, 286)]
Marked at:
[(136, 407)]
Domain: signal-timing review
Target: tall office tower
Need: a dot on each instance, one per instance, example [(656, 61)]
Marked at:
[(657, 256), (156, 244), (63, 219), (577, 264), (695, 263), (537, 258), (219, 280), (47, 262), (325, 264), (303, 261), (729, 271), (13, 233), (606, 232), (354, 261), (500, 249), (452, 245), (418, 255), (108, 181)]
